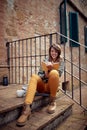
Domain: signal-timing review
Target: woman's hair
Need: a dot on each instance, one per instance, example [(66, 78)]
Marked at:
[(58, 50)]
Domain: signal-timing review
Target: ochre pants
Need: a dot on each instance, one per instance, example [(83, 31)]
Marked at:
[(36, 84)]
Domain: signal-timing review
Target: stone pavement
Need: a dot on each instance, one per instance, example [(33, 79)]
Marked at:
[(78, 119)]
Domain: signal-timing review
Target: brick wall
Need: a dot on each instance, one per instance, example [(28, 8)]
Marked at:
[(26, 18), (22, 19)]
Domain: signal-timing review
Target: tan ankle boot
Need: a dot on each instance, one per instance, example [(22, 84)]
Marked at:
[(24, 116), (52, 106)]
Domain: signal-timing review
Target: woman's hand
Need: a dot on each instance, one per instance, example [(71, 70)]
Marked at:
[(49, 66)]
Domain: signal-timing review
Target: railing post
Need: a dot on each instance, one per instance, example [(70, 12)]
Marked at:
[(50, 39), (72, 72), (80, 75), (7, 45), (8, 60)]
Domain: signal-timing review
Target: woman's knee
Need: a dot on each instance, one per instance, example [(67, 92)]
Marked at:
[(54, 74)]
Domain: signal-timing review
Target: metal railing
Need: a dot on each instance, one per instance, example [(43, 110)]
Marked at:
[(75, 72), (25, 56)]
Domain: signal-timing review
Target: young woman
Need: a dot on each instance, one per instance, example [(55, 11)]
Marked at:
[(44, 82)]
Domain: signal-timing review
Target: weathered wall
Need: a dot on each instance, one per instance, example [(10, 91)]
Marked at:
[(75, 50), (26, 18), (21, 19), (30, 18)]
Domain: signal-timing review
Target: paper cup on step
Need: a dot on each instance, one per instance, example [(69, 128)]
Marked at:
[(20, 93)]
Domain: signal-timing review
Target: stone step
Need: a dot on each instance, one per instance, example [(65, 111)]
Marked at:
[(41, 120), (11, 106), (11, 114)]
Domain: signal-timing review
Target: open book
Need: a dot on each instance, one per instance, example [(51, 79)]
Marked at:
[(44, 66)]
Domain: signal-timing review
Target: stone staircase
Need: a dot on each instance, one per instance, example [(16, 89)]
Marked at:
[(40, 119)]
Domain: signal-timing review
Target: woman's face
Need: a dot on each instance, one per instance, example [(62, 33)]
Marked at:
[(53, 53)]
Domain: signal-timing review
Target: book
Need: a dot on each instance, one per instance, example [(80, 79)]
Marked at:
[(45, 64)]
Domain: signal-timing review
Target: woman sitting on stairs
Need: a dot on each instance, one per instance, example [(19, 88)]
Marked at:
[(44, 82)]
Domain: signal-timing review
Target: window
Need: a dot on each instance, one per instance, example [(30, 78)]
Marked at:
[(73, 28), (63, 22), (85, 37)]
